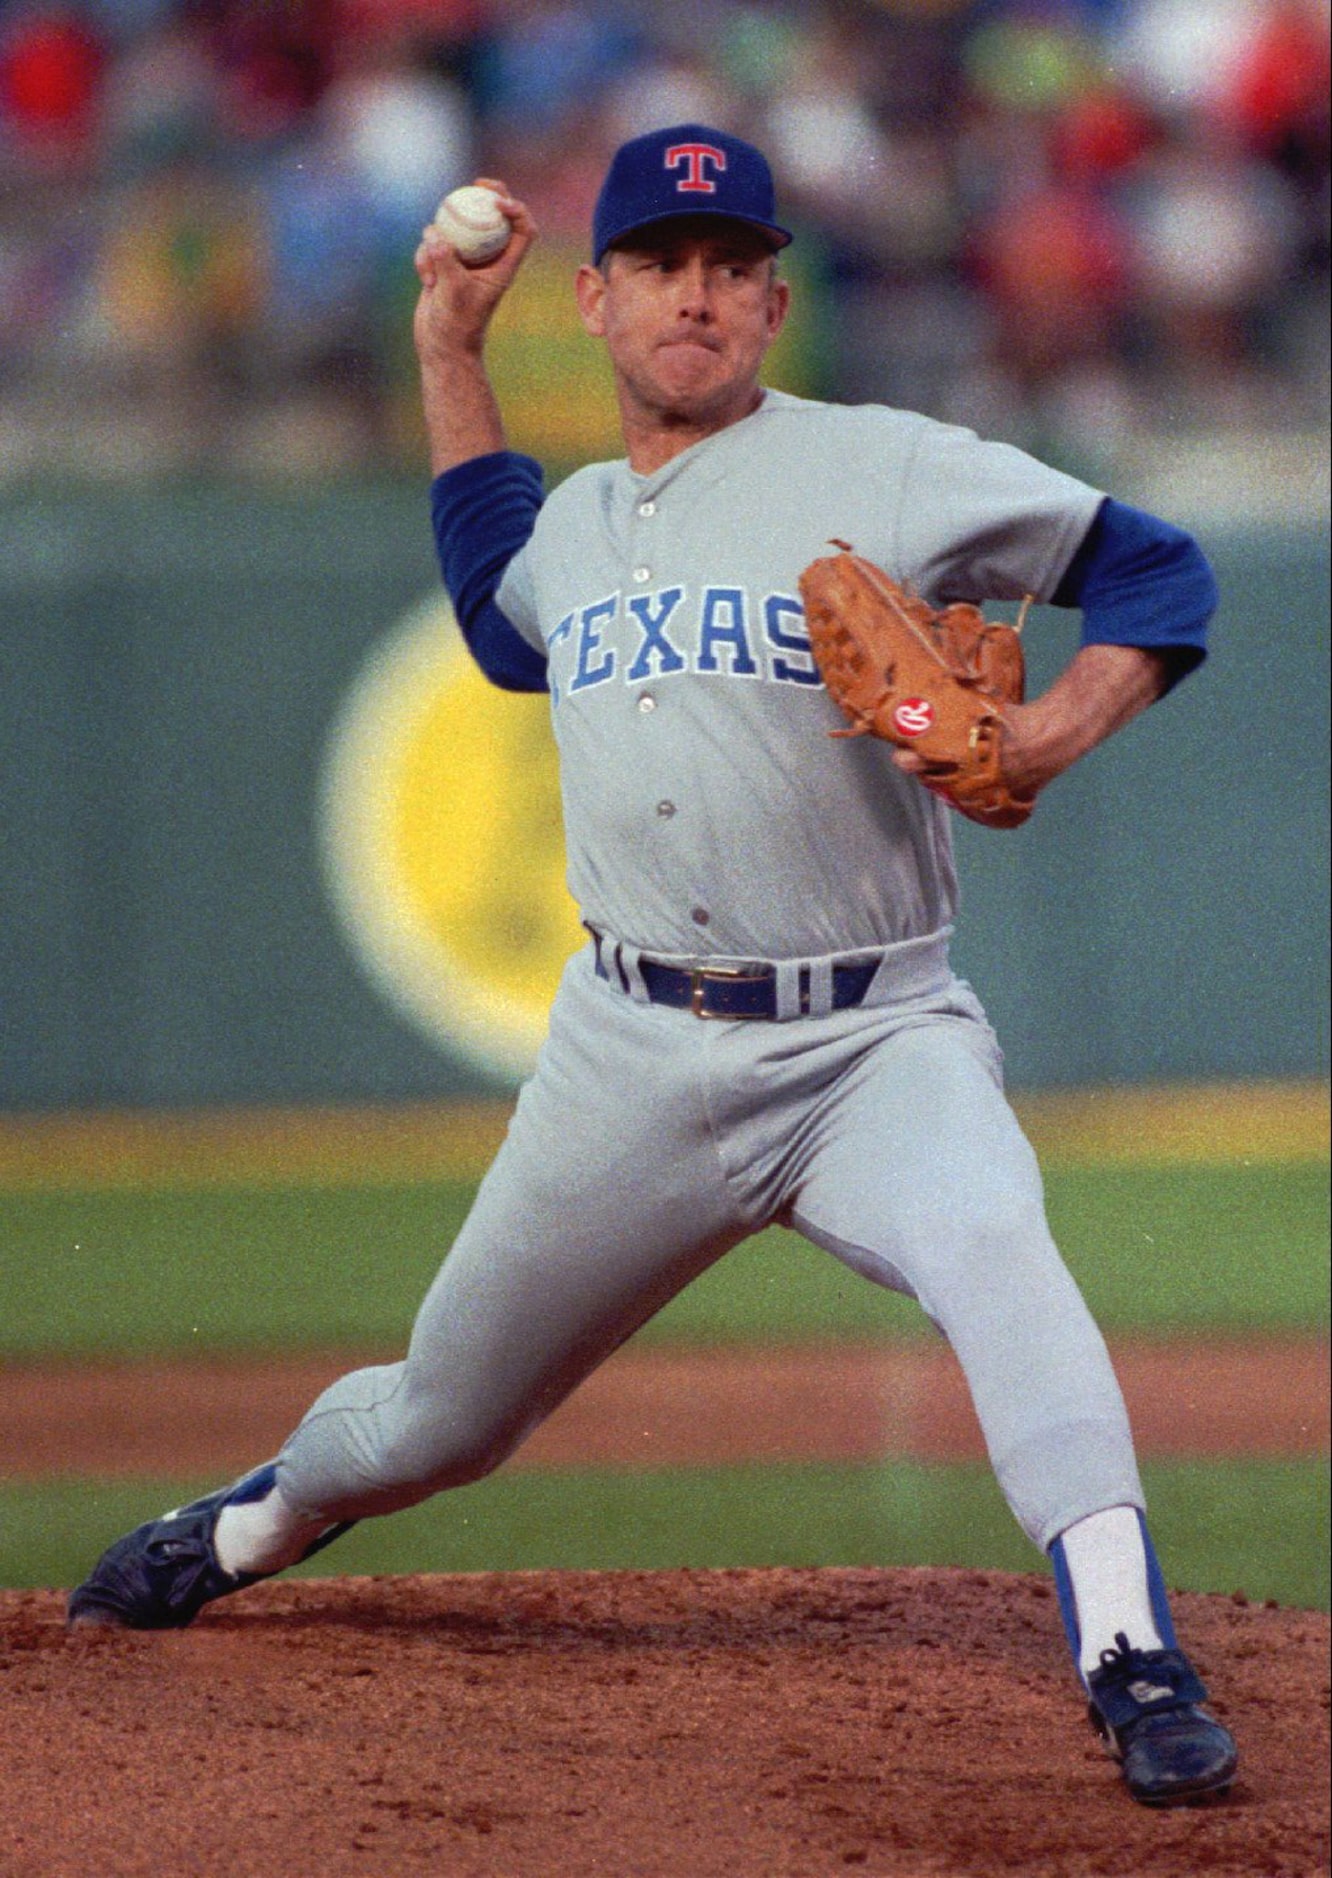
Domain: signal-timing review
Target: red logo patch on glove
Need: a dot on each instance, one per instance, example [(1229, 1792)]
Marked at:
[(913, 717)]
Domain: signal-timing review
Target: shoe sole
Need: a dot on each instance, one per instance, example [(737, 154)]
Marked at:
[(96, 1620), (1188, 1796)]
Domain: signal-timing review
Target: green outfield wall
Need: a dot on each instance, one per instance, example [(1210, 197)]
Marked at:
[(172, 665)]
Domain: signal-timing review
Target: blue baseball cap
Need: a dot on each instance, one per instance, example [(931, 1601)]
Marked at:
[(686, 170)]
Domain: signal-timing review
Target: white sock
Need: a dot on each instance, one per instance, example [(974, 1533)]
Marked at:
[(1107, 1565), (263, 1535)]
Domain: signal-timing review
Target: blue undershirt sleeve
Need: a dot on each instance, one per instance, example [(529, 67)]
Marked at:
[(1143, 582), (483, 512)]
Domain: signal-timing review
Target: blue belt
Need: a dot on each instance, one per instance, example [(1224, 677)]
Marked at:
[(735, 991)]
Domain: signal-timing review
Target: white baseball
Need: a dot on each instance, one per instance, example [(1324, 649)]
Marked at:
[(474, 225)]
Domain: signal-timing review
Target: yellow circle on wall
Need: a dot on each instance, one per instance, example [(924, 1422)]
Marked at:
[(443, 843)]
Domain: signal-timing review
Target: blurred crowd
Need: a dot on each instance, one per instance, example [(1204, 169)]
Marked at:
[(1052, 219)]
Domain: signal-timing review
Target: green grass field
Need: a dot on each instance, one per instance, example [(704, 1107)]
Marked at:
[(1226, 1250), (1258, 1527)]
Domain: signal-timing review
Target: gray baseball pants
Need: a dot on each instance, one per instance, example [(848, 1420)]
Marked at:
[(649, 1143)]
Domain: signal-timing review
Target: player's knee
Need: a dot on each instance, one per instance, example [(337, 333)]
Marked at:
[(996, 1233), (995, 1214), (1013, 1222), (432, 1454)]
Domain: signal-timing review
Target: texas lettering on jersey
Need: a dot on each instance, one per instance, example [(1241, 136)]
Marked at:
[(722, 631)]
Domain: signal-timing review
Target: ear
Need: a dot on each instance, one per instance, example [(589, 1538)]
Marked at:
[(590, 292), (779, 305)]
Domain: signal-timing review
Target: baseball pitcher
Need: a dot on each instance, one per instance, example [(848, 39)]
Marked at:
[(763, 1024)]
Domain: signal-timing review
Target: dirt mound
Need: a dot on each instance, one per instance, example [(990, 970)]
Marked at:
[(747, 1724)]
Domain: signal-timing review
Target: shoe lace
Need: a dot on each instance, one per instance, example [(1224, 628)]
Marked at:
[(173, 1546), (1150, 1676), (185, 1558), (1121, 1655)]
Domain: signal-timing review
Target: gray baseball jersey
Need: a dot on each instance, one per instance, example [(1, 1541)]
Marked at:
[(711, 816), (708, 811)]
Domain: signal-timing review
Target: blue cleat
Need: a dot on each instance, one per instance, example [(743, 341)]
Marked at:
[(1144, 1704), (160, 1576)]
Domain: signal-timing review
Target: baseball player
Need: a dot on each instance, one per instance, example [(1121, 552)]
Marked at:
[(763, 1024)]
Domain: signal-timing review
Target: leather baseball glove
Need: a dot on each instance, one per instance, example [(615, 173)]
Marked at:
[(935, 682)]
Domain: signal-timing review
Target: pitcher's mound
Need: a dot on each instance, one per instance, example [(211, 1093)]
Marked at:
[(745, 1724)]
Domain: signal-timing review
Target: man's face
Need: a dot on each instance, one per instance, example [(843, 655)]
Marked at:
[(688, 311)]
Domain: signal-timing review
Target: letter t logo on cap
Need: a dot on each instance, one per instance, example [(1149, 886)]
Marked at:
[(692, 157), (684, 169)]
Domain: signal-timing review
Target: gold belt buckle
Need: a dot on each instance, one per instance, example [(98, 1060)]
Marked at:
[(698, 979)]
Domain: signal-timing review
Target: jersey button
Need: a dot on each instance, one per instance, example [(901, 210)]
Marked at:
[(647, 702), (700, 916), (647, 508), (666, 810), (642, 573)]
